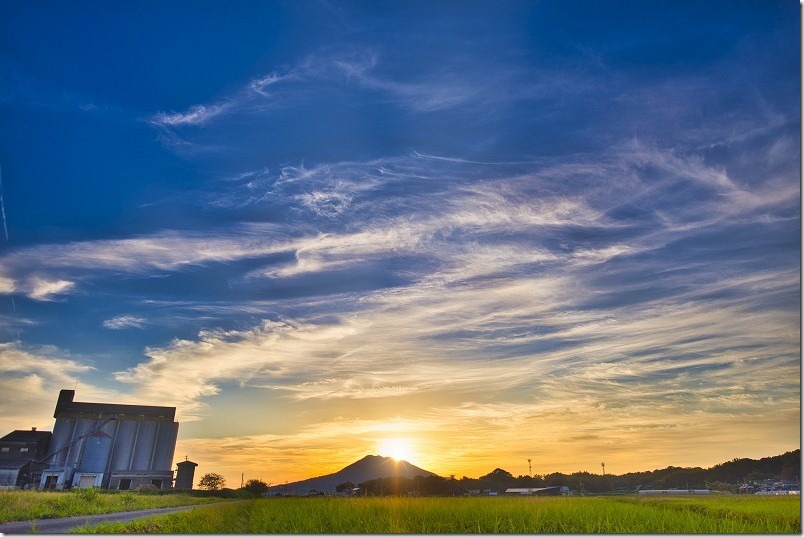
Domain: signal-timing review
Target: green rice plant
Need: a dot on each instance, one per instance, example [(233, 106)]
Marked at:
[(780, 512), (480, 515)]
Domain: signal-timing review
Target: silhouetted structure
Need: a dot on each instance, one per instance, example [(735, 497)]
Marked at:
[(184, 475)]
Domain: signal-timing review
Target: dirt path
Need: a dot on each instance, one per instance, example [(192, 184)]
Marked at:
[(63, 525)]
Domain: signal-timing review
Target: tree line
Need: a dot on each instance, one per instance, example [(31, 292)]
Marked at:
[(726, 476)]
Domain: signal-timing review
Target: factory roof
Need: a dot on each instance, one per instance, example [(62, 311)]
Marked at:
[(30, 435), (67, 408)]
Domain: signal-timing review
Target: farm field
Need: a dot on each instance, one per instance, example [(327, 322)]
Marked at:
[(20, 505), (716, 514)]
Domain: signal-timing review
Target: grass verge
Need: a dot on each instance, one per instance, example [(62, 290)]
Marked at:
[(21, 505)]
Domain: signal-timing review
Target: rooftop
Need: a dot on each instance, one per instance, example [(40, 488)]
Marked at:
[(67, 408), (30, 435)]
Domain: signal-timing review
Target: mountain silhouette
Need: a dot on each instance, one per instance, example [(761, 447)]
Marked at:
[(369, 467)]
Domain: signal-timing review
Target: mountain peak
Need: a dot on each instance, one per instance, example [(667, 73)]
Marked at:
[(368, 468)]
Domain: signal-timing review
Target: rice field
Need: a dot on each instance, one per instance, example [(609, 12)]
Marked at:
[(716, 514)]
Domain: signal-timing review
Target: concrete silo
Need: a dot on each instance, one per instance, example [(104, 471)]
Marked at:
[(110, 445), (94, 460)]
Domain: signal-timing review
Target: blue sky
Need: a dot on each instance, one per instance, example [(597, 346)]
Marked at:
[(490, 231)]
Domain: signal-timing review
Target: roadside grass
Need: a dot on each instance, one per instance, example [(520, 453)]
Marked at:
[(479, 515), (223, 518), (21, 505)]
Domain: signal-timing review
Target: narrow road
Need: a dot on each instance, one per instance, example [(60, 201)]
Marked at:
[(63, 525)]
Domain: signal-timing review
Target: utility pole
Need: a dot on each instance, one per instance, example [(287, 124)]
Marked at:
[(603, 464), (530, 470)]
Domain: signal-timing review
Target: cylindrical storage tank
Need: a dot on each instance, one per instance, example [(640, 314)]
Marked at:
[(165, 446), (83, 427), (95, 455), (62, 436), (144, 447), (124, 445)]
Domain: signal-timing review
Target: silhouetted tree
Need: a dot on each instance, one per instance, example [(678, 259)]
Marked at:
[(387, 486), (345, 486), (498, 479), (211, 481), (255, 486), (497, 473)]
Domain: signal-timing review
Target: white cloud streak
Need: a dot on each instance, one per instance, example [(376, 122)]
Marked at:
[(196, 115), (430, 93), (125, 321), (44, 289)]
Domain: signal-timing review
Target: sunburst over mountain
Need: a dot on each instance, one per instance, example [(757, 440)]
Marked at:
[(369, 467)]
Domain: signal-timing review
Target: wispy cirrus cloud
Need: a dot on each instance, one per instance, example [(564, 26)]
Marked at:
[(433, 92), (532, 336), (121, 322), (196, 115), (629, 200), (576, 281), (547, 276), (607, 385), (44, 289), (259, 85), (6, 285), (352, 69)]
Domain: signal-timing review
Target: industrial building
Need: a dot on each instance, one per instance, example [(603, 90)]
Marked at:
[(21, 458), (110, 446)]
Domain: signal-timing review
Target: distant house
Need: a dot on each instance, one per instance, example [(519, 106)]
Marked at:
[(542, 491), (110, 446), (653, 492), (21, 457)]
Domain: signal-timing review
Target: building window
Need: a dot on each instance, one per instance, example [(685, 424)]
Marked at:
[(4, 450), (51, 481), (157, 483), (125, 484), (23, 449)]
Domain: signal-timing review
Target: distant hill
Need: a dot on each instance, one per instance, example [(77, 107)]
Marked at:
[(368, 468), (725, 476)]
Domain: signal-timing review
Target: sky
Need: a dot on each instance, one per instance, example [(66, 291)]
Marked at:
[(468, 233)]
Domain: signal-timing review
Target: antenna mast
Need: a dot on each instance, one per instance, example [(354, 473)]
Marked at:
[(530, 470), (603, 464)]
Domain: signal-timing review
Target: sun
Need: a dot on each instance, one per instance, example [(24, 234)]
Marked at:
[(396, 448)]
